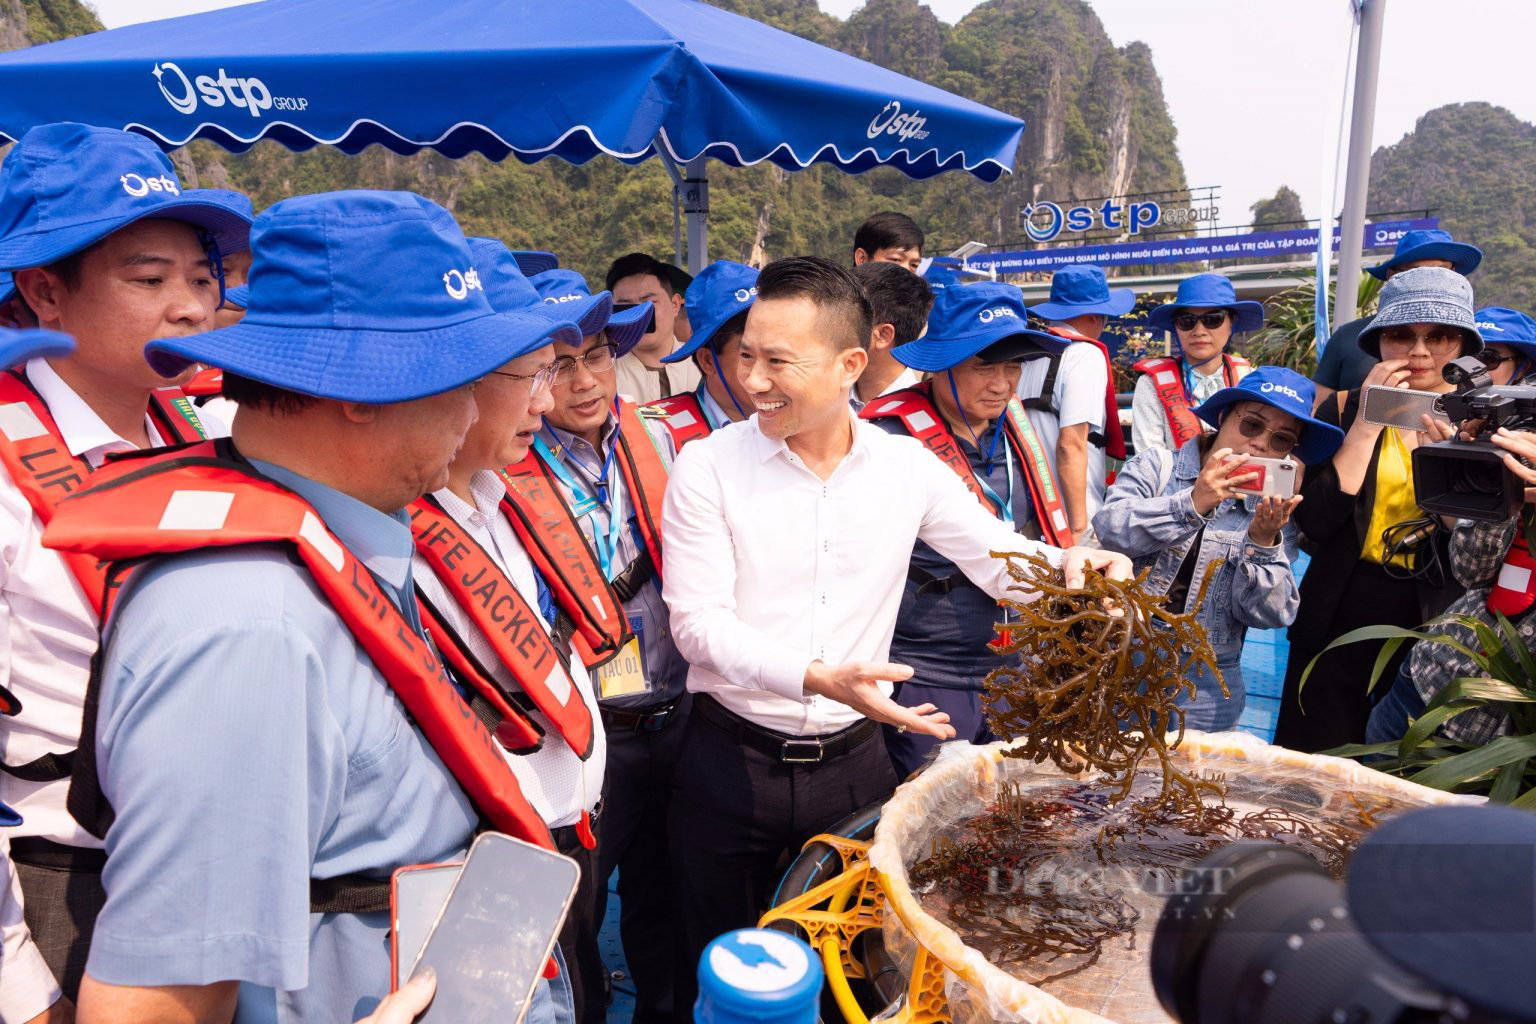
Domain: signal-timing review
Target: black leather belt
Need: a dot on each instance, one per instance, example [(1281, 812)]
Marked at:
[(648, 719), (45, 853), (927, 582), (787, 749)]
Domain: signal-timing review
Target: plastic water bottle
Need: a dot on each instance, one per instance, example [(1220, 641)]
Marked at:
[(757, 976)]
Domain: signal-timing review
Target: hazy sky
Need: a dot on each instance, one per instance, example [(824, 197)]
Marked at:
[(1254, 86)]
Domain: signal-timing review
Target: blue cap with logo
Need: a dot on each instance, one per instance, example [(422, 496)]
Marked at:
[(1208, 291), (971, 319), (1287, 391), (1501, 326), (1430, 244), (1081, 291), (758, 976), (719, 292), (65, 187), (568, 292), (18, 346), (360, 297), (509, 290)]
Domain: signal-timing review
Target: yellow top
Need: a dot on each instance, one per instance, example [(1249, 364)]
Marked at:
[(1395, 501)]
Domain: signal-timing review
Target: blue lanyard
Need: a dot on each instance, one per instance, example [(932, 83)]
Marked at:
[(989, 454), (584, 504)]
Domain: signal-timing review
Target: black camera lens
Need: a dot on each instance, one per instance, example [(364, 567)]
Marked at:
[(1258, 934)]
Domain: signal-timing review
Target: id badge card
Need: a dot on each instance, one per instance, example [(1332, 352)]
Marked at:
[(624, 674)]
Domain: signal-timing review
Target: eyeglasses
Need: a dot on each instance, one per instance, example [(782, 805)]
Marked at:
[(597, 360), (1280, 441), (539, 381), (1438, 340), (1211, 320)]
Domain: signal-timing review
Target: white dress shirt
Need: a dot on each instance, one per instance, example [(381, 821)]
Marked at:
[(556, 782), (27, 986), (48, 631), (907, 378), (640, 384), (769, 567)]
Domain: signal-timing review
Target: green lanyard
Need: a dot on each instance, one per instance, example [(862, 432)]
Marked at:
[(583, 504)]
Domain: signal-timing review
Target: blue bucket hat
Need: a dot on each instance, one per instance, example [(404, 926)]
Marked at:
[(360, 297), (1287, 391), (510, 291), (1478, 863), (720, 291), (1423, 295), (567, 291), (238, 297), (970, 318), (1498, 326), (1080, 291), (532, 261), (1430, 245), (18, 346), (65, 187), (1208, 291)]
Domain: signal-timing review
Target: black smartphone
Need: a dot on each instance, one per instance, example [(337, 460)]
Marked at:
[(493, 937), (650, 325)]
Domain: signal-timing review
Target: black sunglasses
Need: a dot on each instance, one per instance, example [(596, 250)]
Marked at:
[(650, 325), (1211, 320)]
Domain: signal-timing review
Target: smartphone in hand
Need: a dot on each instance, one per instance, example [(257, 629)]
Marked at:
[(1399, 407), (1276, 477), (497, 930)]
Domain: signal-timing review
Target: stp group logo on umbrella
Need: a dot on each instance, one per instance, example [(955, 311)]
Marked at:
[(251, 94)]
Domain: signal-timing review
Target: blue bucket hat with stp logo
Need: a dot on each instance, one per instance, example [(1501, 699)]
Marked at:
[(65, 187), (1415, 246), (18, 346), (721, 291), (567, 291), (1500, 326), (360, 297), (1287, 391), (972, 319), (501, 271)]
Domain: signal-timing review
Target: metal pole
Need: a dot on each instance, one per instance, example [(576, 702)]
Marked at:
[(677, 200), (1358, 176), (696, 208)]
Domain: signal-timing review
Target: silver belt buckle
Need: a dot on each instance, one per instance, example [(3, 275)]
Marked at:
[(787, 757)]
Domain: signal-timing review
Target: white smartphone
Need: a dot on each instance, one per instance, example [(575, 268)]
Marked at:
[(493, 937), (1276, 477), (417, 896), (1399, 407)]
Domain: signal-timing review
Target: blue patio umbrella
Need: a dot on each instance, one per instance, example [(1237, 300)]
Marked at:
[(524, 78)]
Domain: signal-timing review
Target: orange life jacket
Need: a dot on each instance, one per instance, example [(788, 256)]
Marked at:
[(35, 454), (1168, 378), (1514, 591), (205, 383), (201, 497), (683, 416), (501, 613), (914, 407)]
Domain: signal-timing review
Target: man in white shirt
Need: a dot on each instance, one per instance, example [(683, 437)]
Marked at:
[(788, 537), (899, 302), (641, 374), (1068, 398), (106, 247)]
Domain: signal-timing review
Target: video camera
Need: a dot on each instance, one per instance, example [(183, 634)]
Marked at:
[(1434, 924), (1468, 479)]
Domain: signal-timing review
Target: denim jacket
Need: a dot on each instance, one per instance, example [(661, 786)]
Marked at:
[(1155, 523)]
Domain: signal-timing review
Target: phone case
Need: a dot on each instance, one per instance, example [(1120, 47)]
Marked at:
[(395, 910)]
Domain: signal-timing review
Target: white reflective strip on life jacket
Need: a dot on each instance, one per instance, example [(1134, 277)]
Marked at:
[(682, 418), (20, 423), (1166, 378), (1513, 577), (196, 510), (921, 420), (314, 533)]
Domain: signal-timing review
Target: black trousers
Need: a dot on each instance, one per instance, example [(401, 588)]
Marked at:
[(641, 764), (62, 892), (1334, 706), (736, 811), (578, 936)]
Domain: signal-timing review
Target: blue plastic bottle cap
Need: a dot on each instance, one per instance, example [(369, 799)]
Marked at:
[(755, 975)]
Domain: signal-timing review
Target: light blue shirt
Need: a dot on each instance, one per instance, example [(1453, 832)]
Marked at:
[(248, 744)]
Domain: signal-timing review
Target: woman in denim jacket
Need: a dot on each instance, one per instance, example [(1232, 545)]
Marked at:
[(1178, 512)]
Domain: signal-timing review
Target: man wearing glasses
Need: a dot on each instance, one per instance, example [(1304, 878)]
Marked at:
[(492, 613), (611, 473)]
